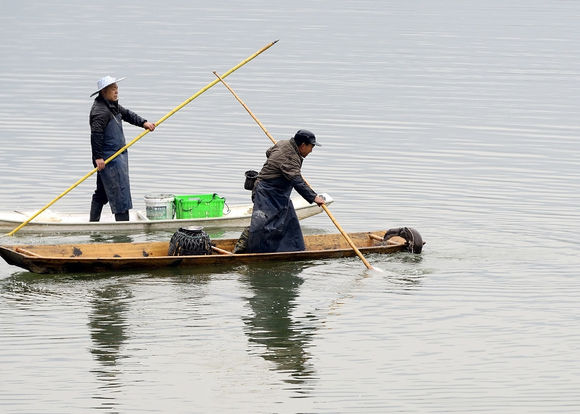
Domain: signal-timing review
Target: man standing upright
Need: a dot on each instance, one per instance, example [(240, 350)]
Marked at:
[(107, 138)]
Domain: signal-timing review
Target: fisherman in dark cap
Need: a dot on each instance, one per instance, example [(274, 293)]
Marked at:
[(106, 139), (275, 226)]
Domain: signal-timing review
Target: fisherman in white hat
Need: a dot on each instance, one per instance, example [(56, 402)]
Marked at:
[(106, 139)]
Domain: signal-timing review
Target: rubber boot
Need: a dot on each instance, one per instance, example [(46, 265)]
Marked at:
[(96, 209), (242, 243), (122, 216)]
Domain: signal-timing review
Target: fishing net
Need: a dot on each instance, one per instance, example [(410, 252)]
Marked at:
[(412, 236)]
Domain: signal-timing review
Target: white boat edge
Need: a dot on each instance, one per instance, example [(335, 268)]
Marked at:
[(51, 222)]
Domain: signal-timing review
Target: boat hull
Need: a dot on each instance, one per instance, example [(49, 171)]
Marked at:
[(112, 257), (239, 216)]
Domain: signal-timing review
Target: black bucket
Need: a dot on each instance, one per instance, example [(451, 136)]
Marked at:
[(189, 241), (251, 177)]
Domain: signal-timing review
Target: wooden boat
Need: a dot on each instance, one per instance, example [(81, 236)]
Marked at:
[(48, 222), (104, 257)]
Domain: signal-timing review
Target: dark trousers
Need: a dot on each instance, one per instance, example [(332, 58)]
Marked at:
[(99, 200)]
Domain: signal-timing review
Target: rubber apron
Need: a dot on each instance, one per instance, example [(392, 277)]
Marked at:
[(274, 226), (115, 175)]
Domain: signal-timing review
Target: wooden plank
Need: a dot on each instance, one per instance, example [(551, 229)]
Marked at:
[(395, 240), (26, 252), (222, 251)]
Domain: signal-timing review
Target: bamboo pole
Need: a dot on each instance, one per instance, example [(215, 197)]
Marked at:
[(338, 226), (137, 138)]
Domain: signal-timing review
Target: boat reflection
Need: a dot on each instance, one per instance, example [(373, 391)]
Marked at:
[(273, 332), (108, 329)]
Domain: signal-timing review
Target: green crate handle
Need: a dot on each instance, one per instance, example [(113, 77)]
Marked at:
[(181, 201)]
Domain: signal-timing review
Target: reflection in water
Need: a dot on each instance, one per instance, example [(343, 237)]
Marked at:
[(285, 338), (106, 238), (108, 331)]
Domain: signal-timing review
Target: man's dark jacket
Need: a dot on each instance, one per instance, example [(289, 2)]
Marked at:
[(102, 113)]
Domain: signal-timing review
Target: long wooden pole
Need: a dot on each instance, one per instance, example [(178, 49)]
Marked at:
[(338, 226), (137, 138)]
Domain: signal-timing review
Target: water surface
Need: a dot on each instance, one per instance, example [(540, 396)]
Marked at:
[(458, 118)]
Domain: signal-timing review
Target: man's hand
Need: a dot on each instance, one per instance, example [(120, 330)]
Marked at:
[(319, 200), (149, 125), (100, 164)]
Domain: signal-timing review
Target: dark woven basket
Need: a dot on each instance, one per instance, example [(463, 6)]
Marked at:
[(188, 241), (251, 177)]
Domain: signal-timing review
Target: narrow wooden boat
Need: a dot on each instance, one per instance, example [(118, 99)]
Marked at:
[(104, 257), (235, 216)]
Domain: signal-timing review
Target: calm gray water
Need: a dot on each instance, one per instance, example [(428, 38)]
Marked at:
[(458, 118)]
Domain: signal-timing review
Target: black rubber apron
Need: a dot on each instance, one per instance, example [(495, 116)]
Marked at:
[(274, 226), (115, 176)]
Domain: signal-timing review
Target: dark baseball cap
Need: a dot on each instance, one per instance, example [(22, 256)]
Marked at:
[(305, 136)]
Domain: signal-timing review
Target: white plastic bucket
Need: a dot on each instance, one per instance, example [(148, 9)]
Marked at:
[(160, 206)]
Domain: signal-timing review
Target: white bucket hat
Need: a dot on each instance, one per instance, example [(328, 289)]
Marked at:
[(104, 82)]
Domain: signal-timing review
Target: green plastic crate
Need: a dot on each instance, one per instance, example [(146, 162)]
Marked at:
[(199, 206)]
